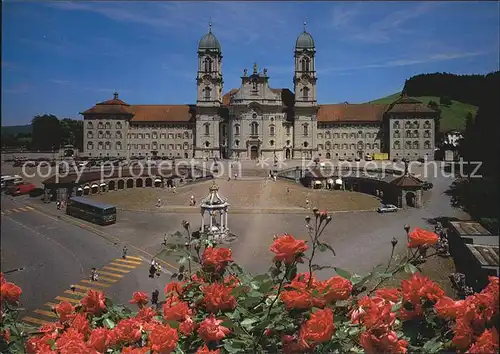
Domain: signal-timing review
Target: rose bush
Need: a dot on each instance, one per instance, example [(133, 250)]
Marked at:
[(215, 307)]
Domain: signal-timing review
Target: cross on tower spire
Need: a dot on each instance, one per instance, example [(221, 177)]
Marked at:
[(209, 25), (305, 25)]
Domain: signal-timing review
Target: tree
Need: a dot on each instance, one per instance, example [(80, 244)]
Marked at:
[(46, 132), (72, 132), (445, 100)]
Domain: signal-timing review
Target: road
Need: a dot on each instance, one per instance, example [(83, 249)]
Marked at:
[(55, 254)]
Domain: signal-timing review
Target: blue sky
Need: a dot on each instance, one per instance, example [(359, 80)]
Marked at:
[(63, 57)]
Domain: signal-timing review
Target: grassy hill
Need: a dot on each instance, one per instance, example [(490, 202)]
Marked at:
[(17, 129), (452, 117)]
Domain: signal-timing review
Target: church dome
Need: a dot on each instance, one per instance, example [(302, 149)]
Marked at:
[(209, 42), (304, 41)]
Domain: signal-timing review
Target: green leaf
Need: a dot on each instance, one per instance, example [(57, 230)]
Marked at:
[(396, 307), (385, 275), (173, 324), (108, 323), (325, 246), (343, 273), (410, 268), (353, 331), (433, 346), (248, 322)]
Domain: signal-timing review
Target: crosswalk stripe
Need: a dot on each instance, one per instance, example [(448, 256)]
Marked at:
[(109, 280), (96, 283), (23, 209), (82, 287), (117, 269), (136, 258), (30, 208), (14, 210), (46, 313), (50, 304), (62, 298), (76, 293), (3, 213), (34, 320), (123, 265), (111, 274), (127, 261)]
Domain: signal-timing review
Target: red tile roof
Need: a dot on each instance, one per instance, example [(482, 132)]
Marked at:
[(407, 180), (226, 99), (162, 113), (345, 112)]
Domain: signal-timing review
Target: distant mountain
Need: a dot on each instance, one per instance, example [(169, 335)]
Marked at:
[(452, 116), (17, 129)]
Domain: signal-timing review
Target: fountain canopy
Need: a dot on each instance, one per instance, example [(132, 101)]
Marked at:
[(213, 201)]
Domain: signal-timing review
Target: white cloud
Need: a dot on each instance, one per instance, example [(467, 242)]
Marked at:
[(405, 61)]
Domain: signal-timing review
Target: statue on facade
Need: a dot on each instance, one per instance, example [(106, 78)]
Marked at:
[(255, 68), (265, 72), (245, 72)]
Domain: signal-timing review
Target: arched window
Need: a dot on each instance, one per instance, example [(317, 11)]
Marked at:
[(320, 135), (208, 93), (100, 134), (107, 145), (154, 145), (306, 130), (186, 146), (427, 124), (118, 125), (207, 129), (118, 135), (360, 145), (328, 145), (336, 146), (237, 129), (90, 125), (427, 144), (408, 145), (416, 145), (305, 64), (353, 146), (100, 125), (320, 146), (208, 64), (155, 135), (90, 145), (353, 135), (395, 125), (118, 145), (328, 135), (345, 146), (207, 144), (107, 134), (305, 93), (360, 134), (254, 128), (408, 134), (375, 146), (427, 134), (415, 134), (287, 130), (90, 135), (415, 124), (271, 143), (396, 134), (271, 130), (345, 135), (236, 142), (396, 145), (108, 125), (368, 146), (407, 125), (100, 145)]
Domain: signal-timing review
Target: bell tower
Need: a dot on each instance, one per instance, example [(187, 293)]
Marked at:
[(209, 97)]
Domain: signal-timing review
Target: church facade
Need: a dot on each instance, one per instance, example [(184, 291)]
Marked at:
[(257, 121)]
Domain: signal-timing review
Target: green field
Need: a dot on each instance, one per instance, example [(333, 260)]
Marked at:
[(452, 117)]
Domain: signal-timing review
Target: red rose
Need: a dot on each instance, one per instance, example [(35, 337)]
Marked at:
[(94, 302), (133, 350), (175, 309), (205, 350), (65, 311), (211, 329), (335, 288), (146, 314), (420, 237), (463, 335), (218, 297), (386, 342), (216, 258), (98, 338), (71, 341), (175, 287), (163, 339), (486, 343), (388, 294), (80, 323), (126, 331), (140, 298), (319, 328), (297, 299), (6, 335), (287, 248), (10, 292), (187, 326), (447, 308)]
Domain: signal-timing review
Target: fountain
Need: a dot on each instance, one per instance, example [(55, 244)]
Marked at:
[(215, 208)]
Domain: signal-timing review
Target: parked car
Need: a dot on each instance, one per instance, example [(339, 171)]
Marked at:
[(387, 208), (20, 189)]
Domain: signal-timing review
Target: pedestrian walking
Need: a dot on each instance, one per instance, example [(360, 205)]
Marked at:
[(307, 203), (173, 189), (125, 250), (152, 269), (94, 275), (287, 190), (58, 205), (158, 269), (192, 202), (158, 203), (154, 297)]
